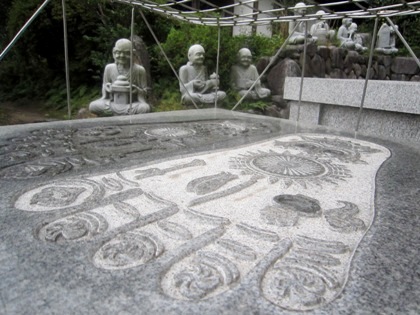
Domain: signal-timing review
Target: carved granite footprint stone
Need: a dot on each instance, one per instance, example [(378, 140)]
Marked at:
[(284, 216)]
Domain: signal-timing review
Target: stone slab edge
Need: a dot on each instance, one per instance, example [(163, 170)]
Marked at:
[(393, 96)]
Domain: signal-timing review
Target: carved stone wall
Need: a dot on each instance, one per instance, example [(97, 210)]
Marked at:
[(338, 63)]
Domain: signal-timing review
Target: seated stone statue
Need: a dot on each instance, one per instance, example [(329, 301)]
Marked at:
[(386, 40), (344, 35), (195, 85), (244, 74), (356, 38), (298, 36), (115, 98), (321, 30)]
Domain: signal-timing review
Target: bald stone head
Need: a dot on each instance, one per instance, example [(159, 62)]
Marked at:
[(244, 57), (122, 51), (300, 8), (196, 54)]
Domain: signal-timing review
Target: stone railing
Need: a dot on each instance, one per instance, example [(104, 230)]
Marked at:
[(391, 108), (335, 63)]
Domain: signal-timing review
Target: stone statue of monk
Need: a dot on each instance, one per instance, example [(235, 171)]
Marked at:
[(195, 85), (298, 37), (115, 98), (244, 74)]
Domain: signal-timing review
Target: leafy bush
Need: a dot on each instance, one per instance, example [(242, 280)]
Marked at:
[(181, 37)]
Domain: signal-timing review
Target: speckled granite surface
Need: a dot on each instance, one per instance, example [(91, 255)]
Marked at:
[(208, 212), (394, 96)]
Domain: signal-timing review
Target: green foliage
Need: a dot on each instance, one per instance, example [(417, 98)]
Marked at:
[(3, 117), (80, 97), (35, 66), (170, 100), (257, 106)]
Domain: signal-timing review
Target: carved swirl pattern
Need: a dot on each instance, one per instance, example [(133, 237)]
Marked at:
[(128, 250), (208, 274), (305, 278), (72, 228), (343, 219), (292, 286)]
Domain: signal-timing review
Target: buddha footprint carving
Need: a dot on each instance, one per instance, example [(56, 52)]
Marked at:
[(284, 216)]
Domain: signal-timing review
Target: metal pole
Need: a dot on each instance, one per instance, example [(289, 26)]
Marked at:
[(273, 59), (303, 69), (24, 27), (164, 54), (66, 59), (131, 60), (372, 48), (404, 41), (217, 60)]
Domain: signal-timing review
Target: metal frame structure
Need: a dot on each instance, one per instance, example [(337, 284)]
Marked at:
[(223, 16), (216, 15)]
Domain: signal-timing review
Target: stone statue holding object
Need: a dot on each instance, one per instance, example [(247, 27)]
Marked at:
[(115, 98), (195, 84), (356, 38), (244, 74), (321, 30), (298, 37), (344, 34), (386, 40)]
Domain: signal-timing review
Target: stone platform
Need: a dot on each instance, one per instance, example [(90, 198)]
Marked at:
[(391, 108), (206, 211)]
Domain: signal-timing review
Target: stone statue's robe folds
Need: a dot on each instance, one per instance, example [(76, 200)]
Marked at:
[(207, 94), (242, 79), (106, 104)]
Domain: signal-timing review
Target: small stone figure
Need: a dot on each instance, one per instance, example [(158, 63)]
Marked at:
[(356, 38), (386, 40), (115, 98), (244, 74), (298, 36), (344, 35), (321, 30), (195, 85)]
